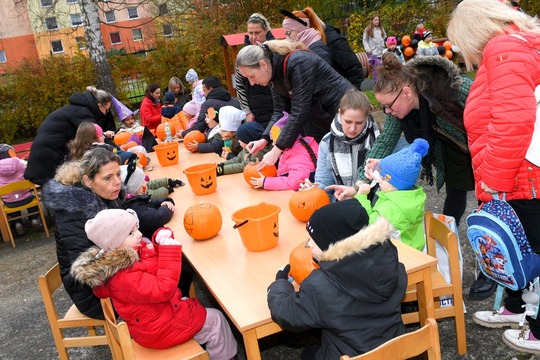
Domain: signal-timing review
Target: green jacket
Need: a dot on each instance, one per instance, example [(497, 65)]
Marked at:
[(157, 188), (402, 208), (238, 163)]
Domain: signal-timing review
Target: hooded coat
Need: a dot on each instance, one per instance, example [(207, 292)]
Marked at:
[(142, 284), (49, 149), (11, 170), (344, 60), (355, 296), (150, 112)]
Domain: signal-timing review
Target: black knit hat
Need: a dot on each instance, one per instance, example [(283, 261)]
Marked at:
[(426, 34), (336, 221), (250, 131)]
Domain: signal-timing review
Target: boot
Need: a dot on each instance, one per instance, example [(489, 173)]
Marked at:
[(482, 288)]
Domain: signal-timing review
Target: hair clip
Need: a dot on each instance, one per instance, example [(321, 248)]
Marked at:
[(292, 16), (259, 19)]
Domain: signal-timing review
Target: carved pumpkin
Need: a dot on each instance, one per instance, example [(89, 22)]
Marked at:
[(191, 136), (160, 130), (167, 153), (202, 221), (143, 159), (202, 178), (121, 138), (304, 203), (301, 261), (251, 171)]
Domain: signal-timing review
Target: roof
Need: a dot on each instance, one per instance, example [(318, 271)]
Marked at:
[(238, 39)]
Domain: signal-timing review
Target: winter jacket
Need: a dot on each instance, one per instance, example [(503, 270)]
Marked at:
[(320, 48), (374, 45), (216, 98), (444, 86), (151, 214), (239, 162), (500, 116), (73, 206), (214, 142), (142, 284), (310, 91), (354, 298), (427, 49), (405, 211), (295, 165), (150, 113), (11, 170), (344, 60), (49, 148)]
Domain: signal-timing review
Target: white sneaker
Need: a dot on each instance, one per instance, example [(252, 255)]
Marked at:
[(20, 229), (495, 319), (519, 340)]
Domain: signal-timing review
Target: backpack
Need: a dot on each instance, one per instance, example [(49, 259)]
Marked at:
[(501, 246)]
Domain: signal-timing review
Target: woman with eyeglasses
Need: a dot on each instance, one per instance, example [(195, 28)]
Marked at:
[(425, 99), (303, 85)]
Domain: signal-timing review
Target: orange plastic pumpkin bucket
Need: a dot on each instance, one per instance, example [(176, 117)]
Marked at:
[(202, 178), (167, 153), (258, 226)]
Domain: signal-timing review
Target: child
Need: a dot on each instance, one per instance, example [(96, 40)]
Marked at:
[(11, 170), (214, 142), (295, 164), (170, 108), (197, 92), (426, 47), (419, 31), (355, 296), (391, 47), (87, 134), (141, 277), (140, 134), (399, 200), (247, 132), (191, 112), (230, 118)]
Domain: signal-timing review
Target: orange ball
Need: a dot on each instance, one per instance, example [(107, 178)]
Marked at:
[(121, 138), (449, 54), (406, 40), (408, 52), (447, 45)]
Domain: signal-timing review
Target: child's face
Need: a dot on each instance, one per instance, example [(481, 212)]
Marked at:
[(129, 121), (142, 190), (428, 39), (227, 135), (384, 185), (353, 122), (315, 249), (211, 122), (133, 239), (391, 47)]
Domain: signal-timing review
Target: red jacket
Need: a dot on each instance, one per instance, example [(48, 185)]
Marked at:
[(150, 114), (500, 114)]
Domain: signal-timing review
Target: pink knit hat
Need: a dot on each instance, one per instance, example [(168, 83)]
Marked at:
[(110, 228), (192, 107), (99, 130)]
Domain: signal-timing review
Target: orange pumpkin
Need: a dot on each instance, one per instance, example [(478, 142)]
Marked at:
[(143, 159), (191, 136), (122, 137), (301, 261), (250, 170), (160, 130), (202, 221), (304, 203)]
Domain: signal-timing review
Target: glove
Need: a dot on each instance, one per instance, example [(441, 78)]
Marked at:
[(168, 241), (174, 183), (169, 189), (219, 169), (283, 273), (163, 234)]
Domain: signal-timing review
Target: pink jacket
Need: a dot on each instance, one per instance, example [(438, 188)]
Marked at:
[(295, 165), (11, 170), (150, 114), (500, 114)]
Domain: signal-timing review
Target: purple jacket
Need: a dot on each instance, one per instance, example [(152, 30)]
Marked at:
[(11, 170), (295, 165)]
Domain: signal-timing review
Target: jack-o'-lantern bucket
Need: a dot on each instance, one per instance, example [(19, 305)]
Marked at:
[(167, 153), (258, 226), (202, 178)]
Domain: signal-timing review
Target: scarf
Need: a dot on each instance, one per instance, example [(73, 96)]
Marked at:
[(344, 164), (309, 36)]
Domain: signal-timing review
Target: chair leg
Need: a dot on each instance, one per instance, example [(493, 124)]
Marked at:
[(92, 331), (460, 327)]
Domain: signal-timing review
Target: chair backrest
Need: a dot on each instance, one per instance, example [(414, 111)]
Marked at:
[(425, 339), (17, 186), (117, 333), (48, 284)]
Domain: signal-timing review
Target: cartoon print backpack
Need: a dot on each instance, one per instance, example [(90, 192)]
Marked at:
[(501, 246)]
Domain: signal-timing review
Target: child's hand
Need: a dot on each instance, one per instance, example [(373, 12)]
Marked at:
[(363, 189), (283, 273), (168, 204), (306, 185), (193, 146), (109, 134), (258, 182), (225, 151)]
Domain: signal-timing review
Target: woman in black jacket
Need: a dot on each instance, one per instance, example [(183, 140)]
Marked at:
[(303, 84)]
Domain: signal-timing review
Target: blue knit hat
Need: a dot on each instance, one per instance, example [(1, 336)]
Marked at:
[(401, 169)]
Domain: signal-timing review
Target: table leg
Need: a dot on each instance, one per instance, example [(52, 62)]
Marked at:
[(424, 290), (251, 343)]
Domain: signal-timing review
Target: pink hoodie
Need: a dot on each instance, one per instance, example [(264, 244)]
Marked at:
[(11, 170)]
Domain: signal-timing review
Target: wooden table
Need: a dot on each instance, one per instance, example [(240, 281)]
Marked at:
[(239, 278)]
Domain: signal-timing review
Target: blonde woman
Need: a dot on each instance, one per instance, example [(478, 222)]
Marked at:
[(499, 118)]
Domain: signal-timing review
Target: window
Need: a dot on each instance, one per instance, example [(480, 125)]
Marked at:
[(137, 34), (163, 9), (72, 2), (51, 23), (167, 30), (57, 46), (81, 42), (115, 38), (109, 16), (76, 19), (133, 13), (46, 3), (3, 56)]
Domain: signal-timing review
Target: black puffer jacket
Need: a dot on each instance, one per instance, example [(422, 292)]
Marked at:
[(151, 214), (310, 92), (216, 98), (320, 48), (73, 206), (49, 148), (355, 297), (344, 59)]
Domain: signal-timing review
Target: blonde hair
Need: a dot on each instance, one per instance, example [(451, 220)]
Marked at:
[(474, 22), (69, 173), (257, 18), (354, 100), (250, 55)]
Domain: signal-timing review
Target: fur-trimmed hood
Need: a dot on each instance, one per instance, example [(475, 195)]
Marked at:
[(70, 199), (94, 270), (438, 77)]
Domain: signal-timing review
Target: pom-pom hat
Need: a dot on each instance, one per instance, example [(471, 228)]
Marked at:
[(110, 228), (122, 110), (401, 169), (230, 118), (426, 34), (133, 177), (192, 75)]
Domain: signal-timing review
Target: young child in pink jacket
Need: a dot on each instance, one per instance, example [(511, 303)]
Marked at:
[(295, 164)]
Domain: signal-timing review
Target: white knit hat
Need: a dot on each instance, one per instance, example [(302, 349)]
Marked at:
[(135, 180), (230, 118), (110, 228)]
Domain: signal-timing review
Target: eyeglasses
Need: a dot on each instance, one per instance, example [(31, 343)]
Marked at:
[(389, 107)]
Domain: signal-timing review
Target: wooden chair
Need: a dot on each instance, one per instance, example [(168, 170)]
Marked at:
[(48, 284), (425, 339), (5, 211), (124, 348), (436, 230)]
